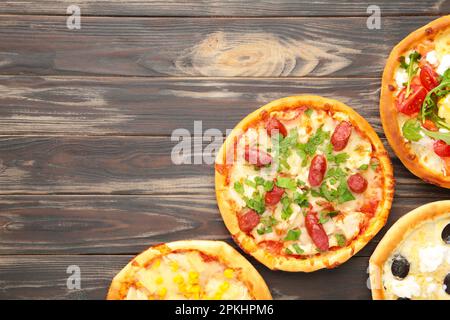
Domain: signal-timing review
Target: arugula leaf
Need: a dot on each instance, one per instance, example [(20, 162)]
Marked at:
[(411, 69), (250, 183), (301, 199), (344, 193), (340, 238), (341, 157), (263, 230), (297, 249), (256, 203), (411, 130), (292, 235), (316, 140), (444, 136), (324, 218), (308, 112), (268, 185), (269, 221), (363, 167), (286, 183), (287, 211), (288, 251), (239, 187)]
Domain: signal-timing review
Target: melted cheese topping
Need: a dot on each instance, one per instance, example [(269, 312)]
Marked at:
[(185, 275), (346, 220), (429, 259)]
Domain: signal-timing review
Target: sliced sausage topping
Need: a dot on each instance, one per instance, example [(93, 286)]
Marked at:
[(275, 126), (248, 220), (257, 157), (274, 196), (317, 170), (340, 136), (316, 231), (357, 183)]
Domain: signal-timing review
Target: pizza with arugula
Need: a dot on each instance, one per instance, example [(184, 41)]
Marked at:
[(303, 183), (415, 101)]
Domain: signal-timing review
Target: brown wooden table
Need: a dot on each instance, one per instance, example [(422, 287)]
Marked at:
[(86, 117)]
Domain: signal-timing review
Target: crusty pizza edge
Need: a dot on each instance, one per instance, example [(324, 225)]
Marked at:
[(330, 259), (388, 112), (395, 235)]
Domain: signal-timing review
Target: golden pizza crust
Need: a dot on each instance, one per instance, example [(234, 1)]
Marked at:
[(388, 111), (395, 235), (217, 249), (329, 259)]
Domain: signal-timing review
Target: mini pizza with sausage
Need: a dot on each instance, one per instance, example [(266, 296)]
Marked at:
[(303, 183), (193, 269), (415, 102)]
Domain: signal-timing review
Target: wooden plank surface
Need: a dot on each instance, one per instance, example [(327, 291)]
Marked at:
[(157, 106), (45, 277), (228, 47), (86, 176), (123, 224), (216, 8)]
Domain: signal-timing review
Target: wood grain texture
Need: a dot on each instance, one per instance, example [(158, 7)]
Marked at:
[(123, 165), (216, 8), (123, 224), (228, 47), (45, 277), (157, 106)]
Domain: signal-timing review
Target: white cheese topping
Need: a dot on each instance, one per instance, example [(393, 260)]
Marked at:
[(401, 77), (444, 65), (431, 58), (431, 258), (406, 288)]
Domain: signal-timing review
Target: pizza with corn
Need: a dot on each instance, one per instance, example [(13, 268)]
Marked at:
[(303, 183), (193, 269), (415, 101)]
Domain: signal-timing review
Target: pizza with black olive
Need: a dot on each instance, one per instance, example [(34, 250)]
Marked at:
[(192, 269), (415, 101), (303, 183), (412, 261)]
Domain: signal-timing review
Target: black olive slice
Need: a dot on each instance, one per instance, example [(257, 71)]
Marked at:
[(446, 234), (400, 266), (447, 283)]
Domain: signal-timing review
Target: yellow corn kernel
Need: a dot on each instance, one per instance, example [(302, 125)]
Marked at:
[(217, 296), (159, 280), (178, 279), (162, 292), (193, 276), (224, 286), (138, 284), (156, 263), (228, 273), (194, 289), (174, 266)]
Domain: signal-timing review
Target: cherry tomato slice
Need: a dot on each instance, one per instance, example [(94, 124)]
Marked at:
[(413, 102), (441, 148), (428, 77)]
